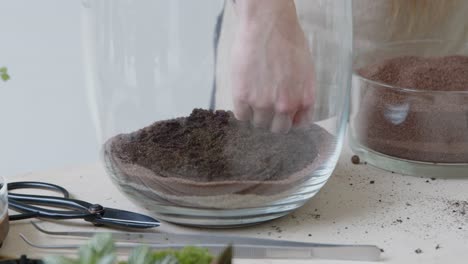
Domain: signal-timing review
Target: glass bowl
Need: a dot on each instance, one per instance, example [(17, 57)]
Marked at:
[(160, 94), (4, 222), (407, 130)]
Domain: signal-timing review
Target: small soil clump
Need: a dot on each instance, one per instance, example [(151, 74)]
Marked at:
[(459, 207), (430, 127), (212, 146), (355, 159)]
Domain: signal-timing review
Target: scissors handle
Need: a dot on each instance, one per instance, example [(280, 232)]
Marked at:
[(33, 206), (38, 185), (25, 203)]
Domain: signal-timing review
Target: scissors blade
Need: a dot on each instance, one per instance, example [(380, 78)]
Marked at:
[(121, 218)]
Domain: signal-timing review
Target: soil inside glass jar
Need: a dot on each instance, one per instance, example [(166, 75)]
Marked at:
[(430, 127), (211, 146)]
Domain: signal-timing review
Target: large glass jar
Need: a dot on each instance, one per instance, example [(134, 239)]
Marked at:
[(409, 107), (190, 110)]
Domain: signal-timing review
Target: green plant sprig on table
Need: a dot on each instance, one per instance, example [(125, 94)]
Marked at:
[(101, 250), (4, 74)]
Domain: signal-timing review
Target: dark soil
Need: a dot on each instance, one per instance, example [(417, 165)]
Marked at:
[(355, 159), (431, 127), (214, 146), (459, 207)]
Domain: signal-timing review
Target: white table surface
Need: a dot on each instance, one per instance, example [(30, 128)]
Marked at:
[(398, 213)]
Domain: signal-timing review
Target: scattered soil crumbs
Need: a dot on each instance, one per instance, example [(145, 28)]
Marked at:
[(214, 146), (459, 207)]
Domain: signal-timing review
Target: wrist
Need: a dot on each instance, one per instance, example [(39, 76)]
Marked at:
[(264, 12)]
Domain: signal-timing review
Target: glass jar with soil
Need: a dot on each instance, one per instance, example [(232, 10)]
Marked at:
[(410, 108), (205, 120)]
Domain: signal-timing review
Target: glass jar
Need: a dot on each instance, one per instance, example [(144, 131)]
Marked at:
[(420, 128), (4, 222), (163, 88)]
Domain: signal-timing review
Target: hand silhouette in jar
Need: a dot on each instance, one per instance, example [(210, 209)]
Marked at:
[(272, 72)]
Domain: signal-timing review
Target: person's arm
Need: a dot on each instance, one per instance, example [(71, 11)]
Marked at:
[(272, 71), (264, 10)]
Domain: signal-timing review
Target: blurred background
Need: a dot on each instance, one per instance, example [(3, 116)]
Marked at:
[(44, 118)]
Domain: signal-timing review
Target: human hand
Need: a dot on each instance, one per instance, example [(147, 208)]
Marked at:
[(272, 72)]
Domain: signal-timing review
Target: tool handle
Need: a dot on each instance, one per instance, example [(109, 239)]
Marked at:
[(26, 204)]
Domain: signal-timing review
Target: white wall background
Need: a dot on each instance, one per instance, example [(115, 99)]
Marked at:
[(45, 121), (44, 118)]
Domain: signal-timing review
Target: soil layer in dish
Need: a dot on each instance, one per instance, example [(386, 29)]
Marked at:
[(211, 146)]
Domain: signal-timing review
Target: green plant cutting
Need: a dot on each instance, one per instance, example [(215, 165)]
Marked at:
[(101, 249), (4, 74)]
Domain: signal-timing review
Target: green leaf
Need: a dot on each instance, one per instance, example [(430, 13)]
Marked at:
[(100, 250), (87, 256), (107, 259), (141, 255), (194, 255), (226, 256), (102, 244), (169, 259), (4, 74)]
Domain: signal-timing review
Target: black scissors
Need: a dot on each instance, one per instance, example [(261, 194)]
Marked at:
[(73, 209)]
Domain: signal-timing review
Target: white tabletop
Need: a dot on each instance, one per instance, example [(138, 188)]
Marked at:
[(359, 204)]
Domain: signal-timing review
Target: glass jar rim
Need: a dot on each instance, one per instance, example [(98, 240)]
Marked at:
[(3, 185), (389, 45), (378, 84)]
